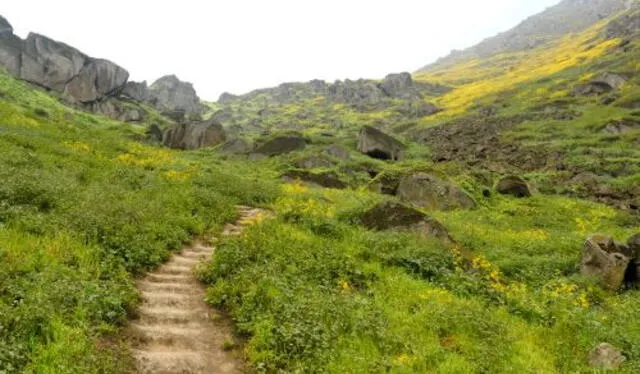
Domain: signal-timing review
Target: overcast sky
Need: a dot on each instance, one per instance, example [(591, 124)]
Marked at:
[(241, 45)]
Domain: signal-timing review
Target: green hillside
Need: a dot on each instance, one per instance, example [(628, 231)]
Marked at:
[(479, 282)]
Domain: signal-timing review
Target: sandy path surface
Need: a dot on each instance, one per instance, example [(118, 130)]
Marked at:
[(176, 331)]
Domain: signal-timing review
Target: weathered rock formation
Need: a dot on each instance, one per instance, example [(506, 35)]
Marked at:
[(281, 144), (429, 192), (377, 144), (58, 67), (391, 215), (194, 135), (171, 94), (612, 263), (514, 186)]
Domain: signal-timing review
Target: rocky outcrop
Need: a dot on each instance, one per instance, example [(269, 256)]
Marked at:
[(326, 179), (391, 215), (138, 91), (624, 26), (337, 151), (399, 86), (514, 186), (608, 261), (281, 144), (172, 94), (237, 146), (194, 135), (376, 144), (606, 356), (59, 67), (429, 192)]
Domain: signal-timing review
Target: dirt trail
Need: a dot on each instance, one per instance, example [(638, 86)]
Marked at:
[(176, 332)]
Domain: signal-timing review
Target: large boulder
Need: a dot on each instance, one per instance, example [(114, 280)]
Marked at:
[(514, 186), (399, 86), (429, 192), (171, 94), (391, 215), (59, 67), (194, 135), (64, 69), (377, 144), (602, 84), (602, 258), (281, 144)]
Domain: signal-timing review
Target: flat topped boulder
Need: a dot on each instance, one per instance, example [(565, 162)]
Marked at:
[(392, 215), (430, 192), (194, 135), (377, 144), (173, 94), (281, 144)]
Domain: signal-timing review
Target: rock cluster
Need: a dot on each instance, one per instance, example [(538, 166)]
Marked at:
[(90, 83), (362, 93), (59, 67)]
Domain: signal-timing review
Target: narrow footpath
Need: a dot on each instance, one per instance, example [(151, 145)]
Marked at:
[(176, 331)]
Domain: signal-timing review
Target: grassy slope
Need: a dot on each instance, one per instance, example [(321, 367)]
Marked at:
[(313, 292), (83, 206)]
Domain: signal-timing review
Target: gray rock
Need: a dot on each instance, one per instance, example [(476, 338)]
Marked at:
[(601, 258), (377, 144), (10, 48), (195, 135), (429, 192), (281, 144), (173, 94), (337, 151), (514, 186), (624, 26), (399, 86), (137, 91), (237, 146), (606, 356), (391, 215), (614, 80), (227, 98)]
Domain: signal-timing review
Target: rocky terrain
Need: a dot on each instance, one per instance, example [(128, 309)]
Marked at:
[(481, 215)]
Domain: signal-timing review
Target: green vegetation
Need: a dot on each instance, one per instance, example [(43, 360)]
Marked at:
[(87, 204), (83, 207), (316, 293)]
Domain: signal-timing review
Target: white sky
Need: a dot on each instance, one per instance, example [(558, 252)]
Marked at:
[(241, 45)]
